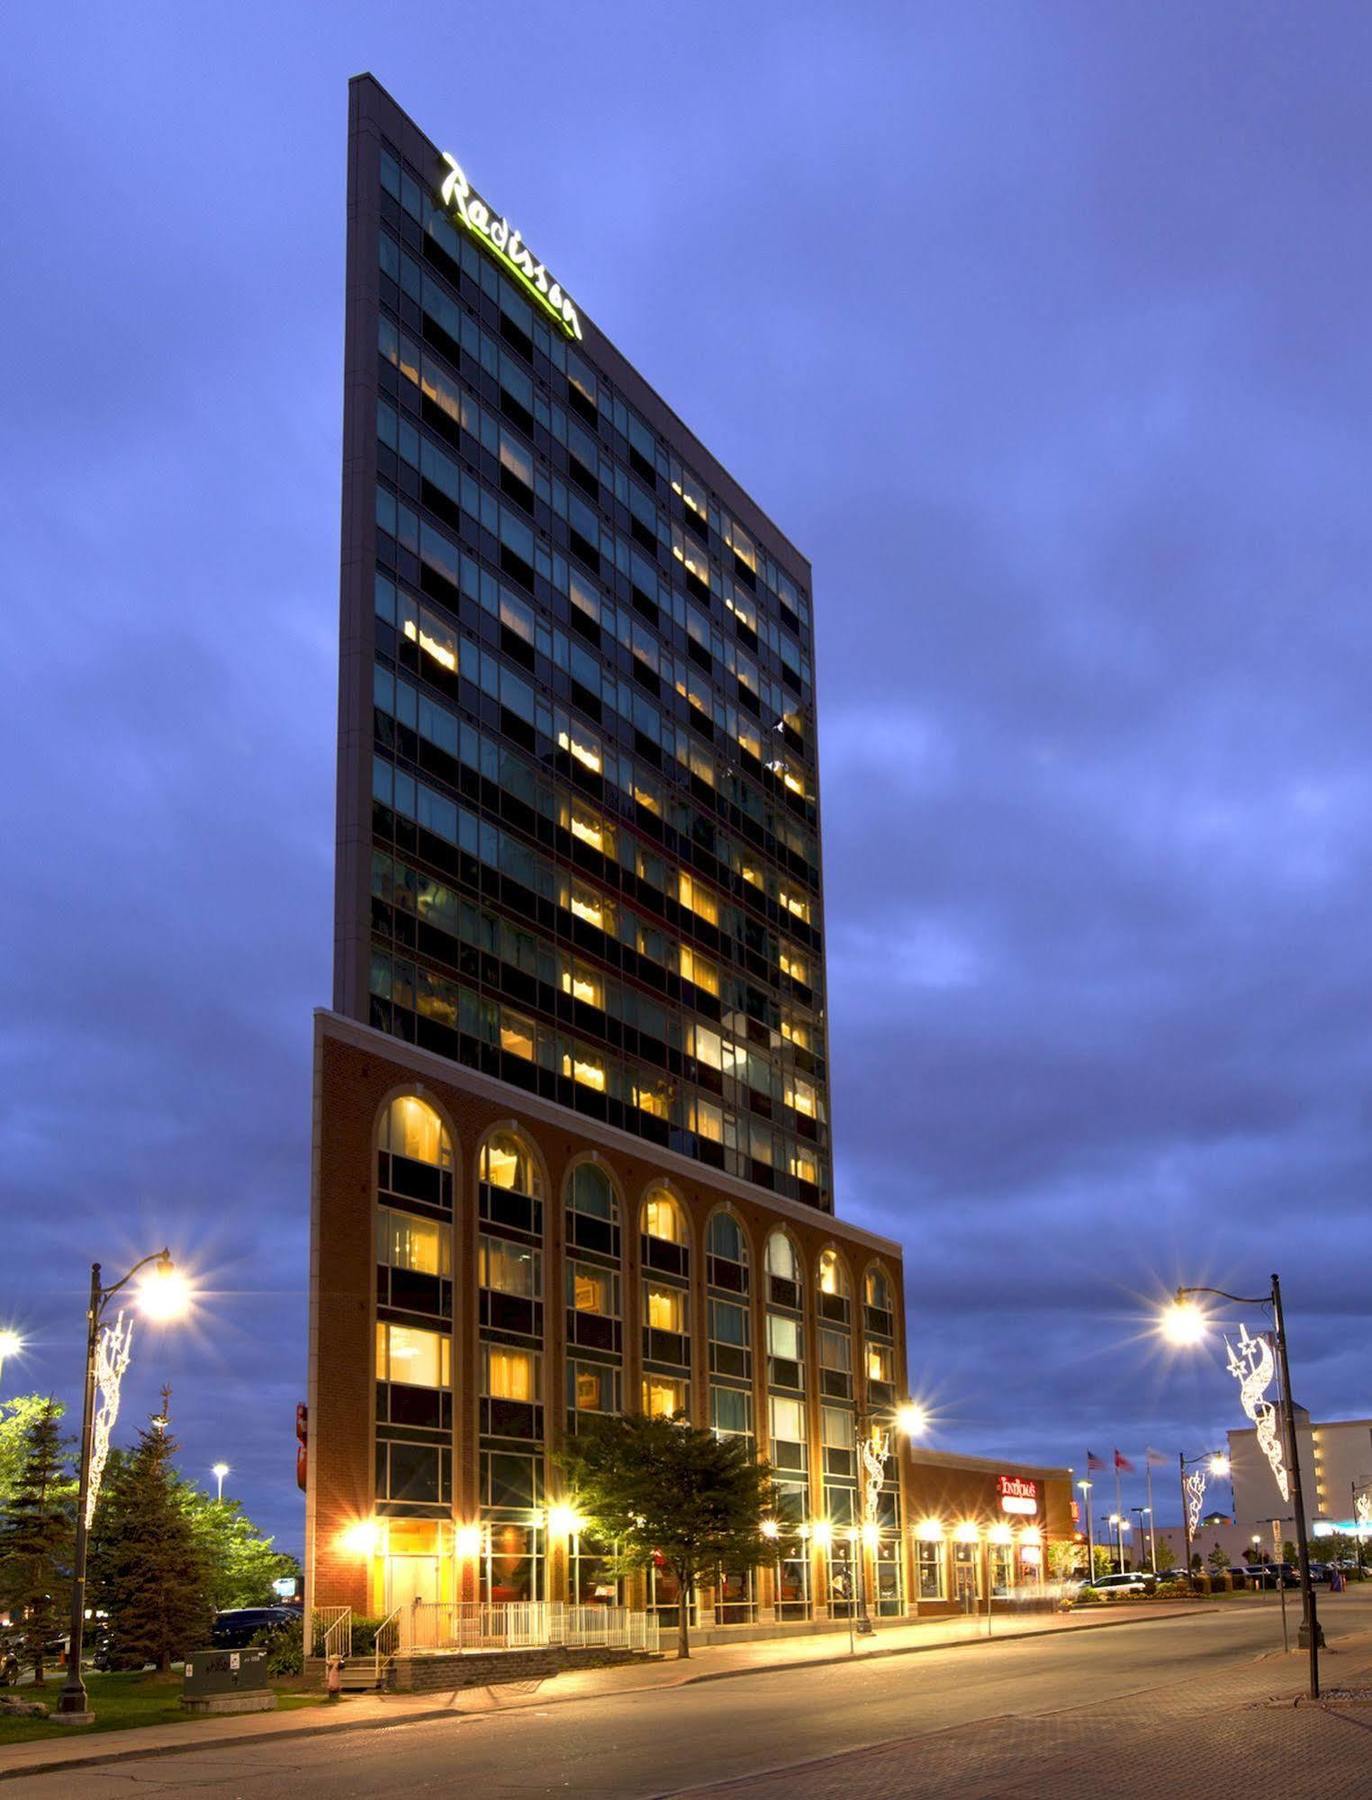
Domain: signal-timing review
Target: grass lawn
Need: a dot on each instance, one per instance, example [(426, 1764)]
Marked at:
[(119, 1701)]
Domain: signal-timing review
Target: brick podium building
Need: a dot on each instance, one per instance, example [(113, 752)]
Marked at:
[(571, 1148)]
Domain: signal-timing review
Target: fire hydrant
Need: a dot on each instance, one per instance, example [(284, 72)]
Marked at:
[(333, 1679)]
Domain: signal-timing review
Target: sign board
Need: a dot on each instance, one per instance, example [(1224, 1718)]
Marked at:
[(1017, 1495), (506, 244)]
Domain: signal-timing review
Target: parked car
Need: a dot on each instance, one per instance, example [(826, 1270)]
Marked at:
[(1272, 1575), (235, 1629), (1110, 1587)]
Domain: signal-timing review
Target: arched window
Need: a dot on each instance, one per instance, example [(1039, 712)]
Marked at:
[(781, 1257), (878, 1289), (663, 1218), (410, 1127), (507, 1162), (728, 1253), (833, 1286), (589, 1192), (414, 1154)]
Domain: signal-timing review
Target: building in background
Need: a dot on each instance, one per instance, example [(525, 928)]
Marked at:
[(571, 1143), (978, 1525), (1336, 1470)]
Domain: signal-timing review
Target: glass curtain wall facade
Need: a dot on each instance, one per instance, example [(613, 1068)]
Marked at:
[(579, 811)]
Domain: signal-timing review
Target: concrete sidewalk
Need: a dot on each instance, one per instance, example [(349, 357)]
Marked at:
[(711, 1663)]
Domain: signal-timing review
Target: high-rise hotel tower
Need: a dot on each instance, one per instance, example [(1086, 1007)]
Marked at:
[(571, 1147)]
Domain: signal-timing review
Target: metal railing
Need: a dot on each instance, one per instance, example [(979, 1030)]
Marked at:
[(470, 1625), (331, 1628), (387, 1642)]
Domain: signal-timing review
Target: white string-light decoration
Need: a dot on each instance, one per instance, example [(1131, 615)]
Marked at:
[(873, 1450), (1195, 1498), (112, 1351), (1362, 1512), (1252, 1365)]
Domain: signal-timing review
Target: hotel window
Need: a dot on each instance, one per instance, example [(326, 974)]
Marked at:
[(583, 746), (836, 1434), (932, 1585), (584, 1066), (583, 984), (507, 1163), (785, 1352), (664, 1396), (590, 1193), (707, 1047), (698, 898), (417, 1245), (804, 1165), (592, 1387), (508, 1268), (699, 969), (728, 1254), (509, 1374), (416, 1358), (414, 1153), (836, 1364), (653, 1095), (664, 1308), (591, 1289), (800, 1096), (792, 963), (585, 903), (787, 1421), (517, 1035), (795, 1031), (730, 1329), (878, 1290), (880, 1361), (731, 1412), (833, 1287), (588, 827), (783, 1271), (662, 1218)]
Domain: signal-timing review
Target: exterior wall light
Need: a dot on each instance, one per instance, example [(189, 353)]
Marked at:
[(361, 1538)]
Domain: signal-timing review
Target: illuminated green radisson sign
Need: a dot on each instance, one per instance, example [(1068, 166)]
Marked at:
[(496, 232)]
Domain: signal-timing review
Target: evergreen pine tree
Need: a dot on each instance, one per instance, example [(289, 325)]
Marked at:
[(149, 1570), (36, 1536)]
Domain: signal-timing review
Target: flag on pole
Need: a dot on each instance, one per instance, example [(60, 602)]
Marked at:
[(1095, 1462), (1123, 1462), (1159, 1459)]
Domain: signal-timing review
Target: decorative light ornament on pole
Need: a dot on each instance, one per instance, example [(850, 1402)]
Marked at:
[(874, 1448), (162, 1295), (219, 1471), (1254, 1362)]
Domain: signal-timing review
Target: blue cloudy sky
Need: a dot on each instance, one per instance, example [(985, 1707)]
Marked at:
[(1043, 330)]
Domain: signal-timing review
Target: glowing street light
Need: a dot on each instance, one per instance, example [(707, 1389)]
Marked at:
[(162, 1295), (875, 1428), (219, 1471), (1254, 1362), (10, 1345)]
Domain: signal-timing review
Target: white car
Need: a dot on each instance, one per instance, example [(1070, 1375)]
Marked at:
[(1109, 1587)]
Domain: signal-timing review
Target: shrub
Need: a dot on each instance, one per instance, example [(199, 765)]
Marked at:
[(285, 1646)]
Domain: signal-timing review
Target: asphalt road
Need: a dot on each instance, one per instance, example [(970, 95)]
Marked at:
[(1062, 1696)]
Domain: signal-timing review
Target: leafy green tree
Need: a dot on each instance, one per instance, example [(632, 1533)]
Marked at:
[(37, 1529), (1166, 1556), (149, 1568), (16, 1415), (241, 1561), (665, 1491), (1289, 1552), (1218, 1559)]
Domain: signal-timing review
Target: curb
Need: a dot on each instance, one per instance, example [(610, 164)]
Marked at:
[(197, 1742)]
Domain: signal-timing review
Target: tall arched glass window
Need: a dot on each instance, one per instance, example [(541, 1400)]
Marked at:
[(414, 1153), (783, 1271), (728, 1254), (833, 1287), (507, 1162)]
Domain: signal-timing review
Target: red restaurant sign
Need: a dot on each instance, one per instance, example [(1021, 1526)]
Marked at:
[(1017, 1495)]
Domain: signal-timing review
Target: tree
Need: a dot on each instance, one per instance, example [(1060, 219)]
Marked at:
[(242, 1564), (1289, 1552), (1218, 1559), (1166, 1556), (36, 1534), (16, 1415), (666, 1492), (149, 1568)]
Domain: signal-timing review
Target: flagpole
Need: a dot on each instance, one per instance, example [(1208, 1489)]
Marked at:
[(1152, 1534)]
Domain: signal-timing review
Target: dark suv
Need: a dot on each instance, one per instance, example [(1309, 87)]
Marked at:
[(235, 1629)]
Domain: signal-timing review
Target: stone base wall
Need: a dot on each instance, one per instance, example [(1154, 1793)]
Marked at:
[(437, 1671)]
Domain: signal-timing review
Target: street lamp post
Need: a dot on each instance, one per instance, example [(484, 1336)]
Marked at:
[(1187, 1325), (1218, 1464), (73, 1703), (1141, 1510), (875, 1428), (1085, 1487)]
